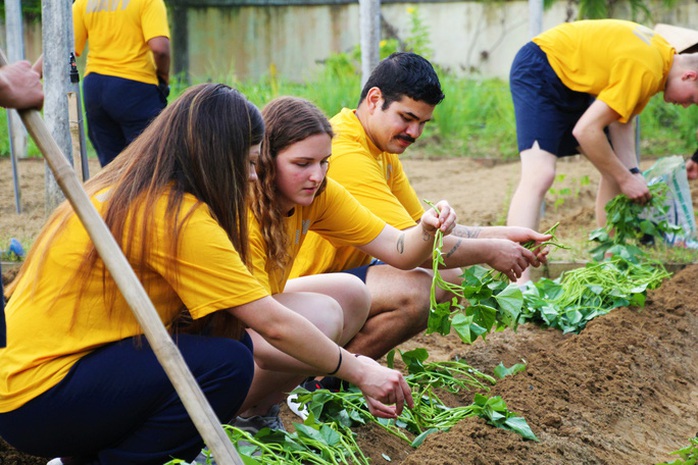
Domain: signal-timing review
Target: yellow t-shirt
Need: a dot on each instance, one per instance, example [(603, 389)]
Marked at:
[(621, 63), (45, 339), (376, 179), (334, 215), (118, 33)]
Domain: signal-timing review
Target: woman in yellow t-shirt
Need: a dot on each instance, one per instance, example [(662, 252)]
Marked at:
[(77, 379), (291, 197)]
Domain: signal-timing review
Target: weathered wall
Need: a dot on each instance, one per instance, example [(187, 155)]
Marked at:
[(236, 38)]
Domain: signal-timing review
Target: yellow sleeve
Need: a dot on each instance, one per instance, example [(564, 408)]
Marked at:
[(79, 30), (342, 220), (154, 19), (365, 178), (258, 252)]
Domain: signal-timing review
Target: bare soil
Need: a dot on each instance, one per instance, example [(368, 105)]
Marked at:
[(624, 391)]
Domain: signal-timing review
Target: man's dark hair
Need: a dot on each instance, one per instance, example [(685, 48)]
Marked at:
[(405, 73)]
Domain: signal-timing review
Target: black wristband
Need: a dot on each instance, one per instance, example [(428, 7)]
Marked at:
[(694, 157), (635, 170), (339, 364)]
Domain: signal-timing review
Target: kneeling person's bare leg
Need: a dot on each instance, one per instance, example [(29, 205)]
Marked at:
[(399, 307)]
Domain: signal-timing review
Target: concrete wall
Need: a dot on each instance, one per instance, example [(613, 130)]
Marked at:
[(238, 39)]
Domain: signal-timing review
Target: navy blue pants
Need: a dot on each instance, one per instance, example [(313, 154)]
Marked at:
[(117, 111), (116, 406)]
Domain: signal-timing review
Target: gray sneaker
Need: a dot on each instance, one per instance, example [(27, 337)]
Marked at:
[(252, 425)]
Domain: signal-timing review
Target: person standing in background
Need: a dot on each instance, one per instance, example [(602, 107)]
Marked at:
[(127, 74)]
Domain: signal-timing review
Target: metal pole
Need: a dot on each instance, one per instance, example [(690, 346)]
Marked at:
[(369, 21), (15, 129), (535, 12), (75, 80), (57, 39)]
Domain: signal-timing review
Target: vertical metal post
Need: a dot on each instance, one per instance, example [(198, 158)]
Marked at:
[(57, 33), (15, 130), (76, 118), (535, 12), (369, 21)]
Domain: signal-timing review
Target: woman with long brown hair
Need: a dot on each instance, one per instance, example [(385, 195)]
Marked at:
[(291, 197)]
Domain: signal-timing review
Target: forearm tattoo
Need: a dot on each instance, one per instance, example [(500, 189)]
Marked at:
[(401, 243), (454, 248), (466, 232)]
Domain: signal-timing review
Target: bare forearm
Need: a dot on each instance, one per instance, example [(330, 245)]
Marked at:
[(162, 68), (160, 46)]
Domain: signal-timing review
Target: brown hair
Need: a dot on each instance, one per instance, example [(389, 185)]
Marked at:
[(198, 145), (288, 120)]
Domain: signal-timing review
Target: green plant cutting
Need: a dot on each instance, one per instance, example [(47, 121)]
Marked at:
[(483, 302), (628, 223), (688, 455)]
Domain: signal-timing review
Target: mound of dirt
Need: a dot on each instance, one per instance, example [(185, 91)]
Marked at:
[(623, 391)]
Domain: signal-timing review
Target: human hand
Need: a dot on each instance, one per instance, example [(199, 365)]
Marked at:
[(20, 86), (510, 257), (522, 235), (385, 390), (441, 216), (635, 188), (692, 167)]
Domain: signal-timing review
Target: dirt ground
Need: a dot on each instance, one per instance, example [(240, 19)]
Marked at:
[(624, 391)]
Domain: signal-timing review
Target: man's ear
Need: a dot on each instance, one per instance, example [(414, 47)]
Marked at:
[(690, 75), (374, 99)]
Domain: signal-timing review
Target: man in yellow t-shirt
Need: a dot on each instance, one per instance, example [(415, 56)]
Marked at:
[(128, 68), (576, 89), (396, 102)]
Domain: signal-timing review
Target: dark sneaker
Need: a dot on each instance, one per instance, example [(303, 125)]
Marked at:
[(331, 383)]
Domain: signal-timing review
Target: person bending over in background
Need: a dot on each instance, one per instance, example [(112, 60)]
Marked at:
[(396, 102), (576, 89), (127, 73), (176, 202), (291, 197)]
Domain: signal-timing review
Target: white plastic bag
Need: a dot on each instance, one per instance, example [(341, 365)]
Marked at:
[(672, 171)]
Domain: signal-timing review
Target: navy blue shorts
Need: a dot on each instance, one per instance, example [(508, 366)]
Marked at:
[(361, 271), (546, 110)]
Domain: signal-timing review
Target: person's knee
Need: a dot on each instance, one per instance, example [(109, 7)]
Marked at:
[(355, 299), (224, 374), (537, 169), (413, 304), (331, 322)]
